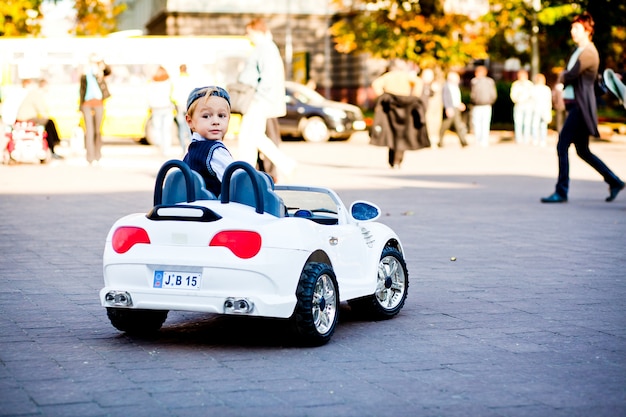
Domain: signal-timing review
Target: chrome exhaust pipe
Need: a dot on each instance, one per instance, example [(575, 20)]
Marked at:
[(234, 305), (118, 299)]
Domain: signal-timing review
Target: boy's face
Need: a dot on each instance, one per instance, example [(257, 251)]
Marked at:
[(210, 118)]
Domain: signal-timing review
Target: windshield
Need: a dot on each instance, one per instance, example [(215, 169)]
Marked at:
[(304, 94), (315, 202)]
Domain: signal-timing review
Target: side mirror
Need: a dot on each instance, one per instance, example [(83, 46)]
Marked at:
[(364, 211)]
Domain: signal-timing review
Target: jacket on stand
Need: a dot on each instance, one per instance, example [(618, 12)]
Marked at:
[(399, 123)]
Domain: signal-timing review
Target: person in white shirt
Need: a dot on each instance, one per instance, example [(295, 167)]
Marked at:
[(522, 98), (161, 108), (541, 110), (181, 87), (265, 72)]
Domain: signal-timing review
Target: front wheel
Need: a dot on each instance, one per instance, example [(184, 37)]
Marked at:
[(136, 321), (392, 286), (316, 312)]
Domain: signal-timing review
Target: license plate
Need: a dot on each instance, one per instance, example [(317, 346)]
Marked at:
[(177, 280)]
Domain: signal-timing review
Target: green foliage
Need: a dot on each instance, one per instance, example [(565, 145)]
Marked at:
[(550, 15)]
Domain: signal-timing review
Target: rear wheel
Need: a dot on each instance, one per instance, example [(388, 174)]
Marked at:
[(391, 287), (316, 312), (314, 129), (136, 321)]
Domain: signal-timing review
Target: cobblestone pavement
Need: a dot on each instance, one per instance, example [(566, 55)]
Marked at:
[(530, 320)]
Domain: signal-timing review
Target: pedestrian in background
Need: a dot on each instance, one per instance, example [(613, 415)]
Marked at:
[(522, 98), (453, 108), (265, 72), (93, 93), (34, 109), (264, 164), (181, 87), (398, 91), (483, 94), (431, 97), (578, 84), (398, 80), (541, 110), (161, 108)]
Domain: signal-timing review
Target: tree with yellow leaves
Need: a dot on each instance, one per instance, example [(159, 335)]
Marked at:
[(97, 17), (415, 30), (93, 17), (20, 17)]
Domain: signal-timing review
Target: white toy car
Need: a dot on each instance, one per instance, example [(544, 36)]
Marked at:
[(289, 252)]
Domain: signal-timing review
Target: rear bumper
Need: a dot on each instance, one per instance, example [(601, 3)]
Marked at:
[(269, 283)]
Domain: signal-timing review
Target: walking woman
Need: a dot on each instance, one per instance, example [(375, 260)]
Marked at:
[(93, 92), (578, 82)]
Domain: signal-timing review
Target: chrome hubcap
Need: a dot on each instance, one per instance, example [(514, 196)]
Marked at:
[(324, 304), (391, 282)]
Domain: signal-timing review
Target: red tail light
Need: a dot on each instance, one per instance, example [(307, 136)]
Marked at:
[(126, 237), (244, 244)]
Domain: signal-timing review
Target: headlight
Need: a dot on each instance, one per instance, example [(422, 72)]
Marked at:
[(359, 125), (334, 113)]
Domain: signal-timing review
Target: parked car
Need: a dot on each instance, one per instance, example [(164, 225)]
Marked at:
[(317, 119), (285, 252)]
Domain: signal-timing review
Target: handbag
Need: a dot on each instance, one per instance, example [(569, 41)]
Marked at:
[(240, 97)]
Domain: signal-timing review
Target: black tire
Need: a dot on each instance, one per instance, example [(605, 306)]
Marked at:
[(391, 289), (317, 307), (136, 321)]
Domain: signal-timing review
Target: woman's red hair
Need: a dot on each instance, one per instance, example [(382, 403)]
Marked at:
[(586, 20)]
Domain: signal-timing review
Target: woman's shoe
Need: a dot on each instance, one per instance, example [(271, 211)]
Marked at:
[(554, 198), (614, 191)]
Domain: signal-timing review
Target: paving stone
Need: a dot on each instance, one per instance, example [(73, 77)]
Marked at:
[(529, 320)]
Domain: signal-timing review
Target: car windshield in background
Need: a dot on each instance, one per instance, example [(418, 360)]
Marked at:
[(305, 95)]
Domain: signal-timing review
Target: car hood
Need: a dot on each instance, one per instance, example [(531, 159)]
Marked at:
[(338, 105)]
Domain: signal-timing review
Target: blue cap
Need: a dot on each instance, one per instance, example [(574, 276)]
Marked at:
[(211, 91)]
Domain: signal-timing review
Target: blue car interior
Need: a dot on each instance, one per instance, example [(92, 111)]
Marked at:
[(175, 191), (242, 191), (182, 185), (241, 183)]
